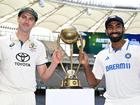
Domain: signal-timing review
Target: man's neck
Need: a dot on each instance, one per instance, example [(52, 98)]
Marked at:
[(23, 36), (118, 45)]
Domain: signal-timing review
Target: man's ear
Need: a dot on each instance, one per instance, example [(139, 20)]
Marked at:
[(124, 30), (106, 32), (17, 19)]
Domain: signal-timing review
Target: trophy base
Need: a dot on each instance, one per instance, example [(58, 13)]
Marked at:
[(70, 87), (70, 84)]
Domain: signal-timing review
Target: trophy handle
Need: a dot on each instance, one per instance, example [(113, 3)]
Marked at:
[(81, 47), (71, 56), (58, 46)]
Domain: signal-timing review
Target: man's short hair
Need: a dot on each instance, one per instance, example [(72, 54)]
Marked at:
[(29, 10), (114, 18)]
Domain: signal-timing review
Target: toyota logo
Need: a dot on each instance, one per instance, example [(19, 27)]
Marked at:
[(22, 57)]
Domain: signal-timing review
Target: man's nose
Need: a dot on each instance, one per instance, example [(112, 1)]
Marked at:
[(114, 29)]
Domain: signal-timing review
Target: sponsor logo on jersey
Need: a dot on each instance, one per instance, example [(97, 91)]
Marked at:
[(120, 66), (107, 58), (12, 44), (23, 58)]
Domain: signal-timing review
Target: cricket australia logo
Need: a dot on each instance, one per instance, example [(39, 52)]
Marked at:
[(22, 58)]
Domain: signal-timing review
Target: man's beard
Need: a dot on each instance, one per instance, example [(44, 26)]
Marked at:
[(115, 39)]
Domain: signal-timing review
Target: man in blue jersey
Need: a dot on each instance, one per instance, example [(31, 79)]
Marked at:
[(119, 63)]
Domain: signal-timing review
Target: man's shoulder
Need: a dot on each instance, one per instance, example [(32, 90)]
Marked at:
[(103, 52), (4, 38), (36, 41), (135, 43), (39, 43)]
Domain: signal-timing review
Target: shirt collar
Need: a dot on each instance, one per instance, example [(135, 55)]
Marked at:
[(14, 38), (124, 47)]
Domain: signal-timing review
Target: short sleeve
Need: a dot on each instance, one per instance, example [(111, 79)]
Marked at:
[(42, 56), (0, 55), (98, 68), (0, 49)]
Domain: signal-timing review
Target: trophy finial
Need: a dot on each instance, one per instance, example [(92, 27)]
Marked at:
[(69, 34)]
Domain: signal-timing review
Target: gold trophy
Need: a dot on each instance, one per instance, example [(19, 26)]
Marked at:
[(69, 35)]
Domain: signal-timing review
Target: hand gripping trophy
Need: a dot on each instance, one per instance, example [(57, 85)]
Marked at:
[(69, 35)]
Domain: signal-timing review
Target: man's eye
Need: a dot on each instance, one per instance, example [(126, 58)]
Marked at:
[(32, 19), (23, 17)]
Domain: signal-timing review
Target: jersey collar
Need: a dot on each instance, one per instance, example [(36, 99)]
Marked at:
[(30, 42), (14, 38), (124, 47)]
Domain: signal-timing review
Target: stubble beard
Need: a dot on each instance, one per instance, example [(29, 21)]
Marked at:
[(115, 39)]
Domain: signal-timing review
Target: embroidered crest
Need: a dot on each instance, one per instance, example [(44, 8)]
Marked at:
[(32, 46), (128, 55)]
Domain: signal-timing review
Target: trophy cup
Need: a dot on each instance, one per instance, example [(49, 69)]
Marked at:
[(69, 35)]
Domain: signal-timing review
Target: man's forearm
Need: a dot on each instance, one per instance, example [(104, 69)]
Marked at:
[(92, 81), (48, 72)]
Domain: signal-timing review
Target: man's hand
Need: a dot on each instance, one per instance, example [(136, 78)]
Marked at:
[(83, 58), (57, 56)]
